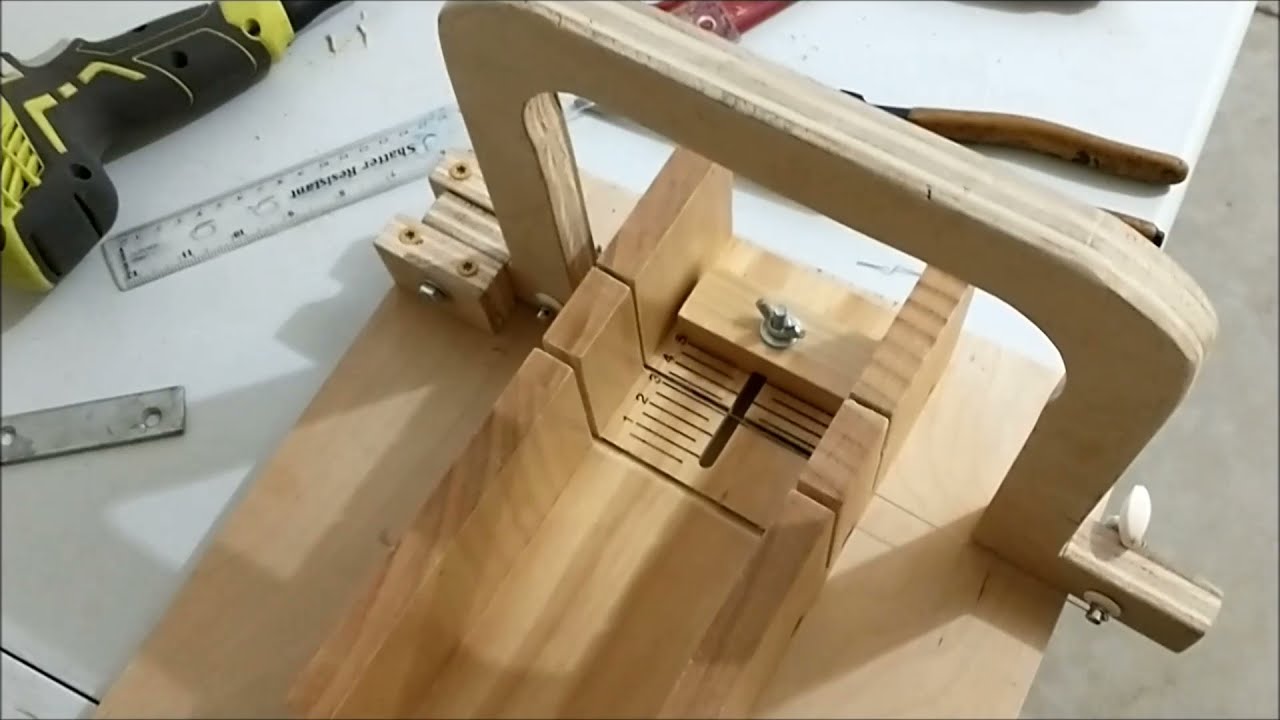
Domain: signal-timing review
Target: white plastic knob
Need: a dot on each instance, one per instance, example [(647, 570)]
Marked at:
[(1134, 517)]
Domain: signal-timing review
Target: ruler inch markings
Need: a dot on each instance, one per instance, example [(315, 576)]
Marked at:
[(284, 199), (322, 184)]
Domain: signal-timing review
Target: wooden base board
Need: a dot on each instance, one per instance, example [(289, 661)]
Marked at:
[(323, 512), (915, 619)]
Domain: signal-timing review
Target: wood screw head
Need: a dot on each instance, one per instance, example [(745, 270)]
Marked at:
[(410, 237), (467, 268), (460, 171)]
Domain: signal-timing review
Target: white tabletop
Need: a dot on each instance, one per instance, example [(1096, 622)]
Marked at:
[(95, 545)]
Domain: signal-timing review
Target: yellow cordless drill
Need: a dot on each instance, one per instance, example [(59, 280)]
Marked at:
[(95, 101)]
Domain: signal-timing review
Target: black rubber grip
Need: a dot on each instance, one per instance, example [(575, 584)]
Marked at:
[(190, 62), (99, 100)]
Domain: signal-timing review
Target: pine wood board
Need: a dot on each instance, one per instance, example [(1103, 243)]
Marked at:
[(288, 562), (324, 513)]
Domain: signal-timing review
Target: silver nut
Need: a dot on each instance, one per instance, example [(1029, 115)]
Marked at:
[(1101, 608), (431, 293), (778, 327), (1096, 615)]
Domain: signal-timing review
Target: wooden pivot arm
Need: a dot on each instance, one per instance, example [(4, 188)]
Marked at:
[(1131, 326)]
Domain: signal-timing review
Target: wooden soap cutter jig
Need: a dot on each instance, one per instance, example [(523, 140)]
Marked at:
[(663, 463), (1151, 294)]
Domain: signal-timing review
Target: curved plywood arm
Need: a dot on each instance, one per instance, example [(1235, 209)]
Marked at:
[(1131, 326)]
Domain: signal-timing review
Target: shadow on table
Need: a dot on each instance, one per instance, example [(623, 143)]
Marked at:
[(15, 305), (79, 634), (1060, 7)]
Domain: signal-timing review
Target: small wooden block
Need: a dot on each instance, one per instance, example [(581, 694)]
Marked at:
[(676, 231), (595, 334), (1154, 598), (720, 315), (476, 287)]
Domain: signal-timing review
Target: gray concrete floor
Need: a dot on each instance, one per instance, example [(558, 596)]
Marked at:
[(1213, 470)]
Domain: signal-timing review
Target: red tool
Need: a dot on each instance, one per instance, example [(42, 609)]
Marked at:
[(742, 14)]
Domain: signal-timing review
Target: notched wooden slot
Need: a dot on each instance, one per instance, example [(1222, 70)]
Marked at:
[(595, 334)]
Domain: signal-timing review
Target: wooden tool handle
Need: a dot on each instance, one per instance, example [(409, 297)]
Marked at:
[(1048, 138), (1146, 228), (1131, 326)]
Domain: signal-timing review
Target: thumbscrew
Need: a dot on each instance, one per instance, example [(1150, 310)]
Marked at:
[(778, 327)]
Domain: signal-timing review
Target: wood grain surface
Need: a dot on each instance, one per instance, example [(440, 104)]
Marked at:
[(1131, 326)]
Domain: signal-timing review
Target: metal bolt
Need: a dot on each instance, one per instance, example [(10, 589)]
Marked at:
[(460, 171), (467, 268), (409, 237), (548, 307), (1096, 614), (778, 327), (431, 293), (1101, 608)]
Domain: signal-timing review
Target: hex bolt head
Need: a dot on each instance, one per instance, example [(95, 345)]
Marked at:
[(1101, 608), (1096, 615), (778, 327)]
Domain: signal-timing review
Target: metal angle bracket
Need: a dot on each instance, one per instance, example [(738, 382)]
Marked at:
[(93, 425)]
